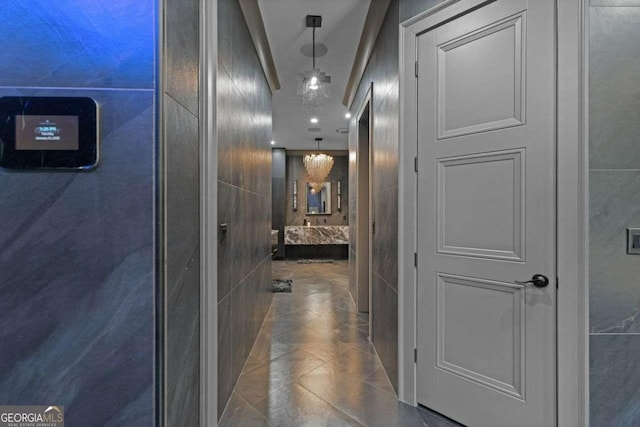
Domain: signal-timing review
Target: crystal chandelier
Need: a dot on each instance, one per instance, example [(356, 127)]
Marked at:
[(314, 87), (318, 165)]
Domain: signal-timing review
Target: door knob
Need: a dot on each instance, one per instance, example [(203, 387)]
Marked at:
[(538, 280)]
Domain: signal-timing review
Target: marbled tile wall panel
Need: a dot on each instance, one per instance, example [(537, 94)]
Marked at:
[(296, 171), (384, 326), (182, 215), (614, 206), (182, 187), (385, 141), (70, 43), (382, 71), (240, 345), (614, 104), (241, 314), (182, 52), (385, 239), (614, 289), (244, 195), (77, 266), (410, 8), (247, 240), (237, 55), (244, 135), (383, 67), (226, 381), (232, 253), (231, 119), (614, 380), (183, 346)]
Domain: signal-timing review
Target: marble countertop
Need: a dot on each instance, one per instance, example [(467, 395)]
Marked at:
[(316, 235)]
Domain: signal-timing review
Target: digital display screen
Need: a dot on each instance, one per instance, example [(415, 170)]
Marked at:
[(47, 132)]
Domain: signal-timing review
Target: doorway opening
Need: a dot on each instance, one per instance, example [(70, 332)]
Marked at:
[(364, 223)]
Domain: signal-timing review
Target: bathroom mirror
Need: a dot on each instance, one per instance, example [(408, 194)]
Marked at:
[(318, 198)]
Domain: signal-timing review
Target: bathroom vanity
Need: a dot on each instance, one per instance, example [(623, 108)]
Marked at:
[(316, 241)]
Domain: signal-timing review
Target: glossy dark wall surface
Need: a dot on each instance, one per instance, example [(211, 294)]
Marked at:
[(382, 71), (278, 196), (614, 288), (244, 196), (297, 172), (182, 213), (77, 274)]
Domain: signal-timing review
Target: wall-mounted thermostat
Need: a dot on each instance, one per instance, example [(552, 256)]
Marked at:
[(48, 133), (633, 241)]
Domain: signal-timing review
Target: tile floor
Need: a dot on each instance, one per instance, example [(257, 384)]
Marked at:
[(312, 364)]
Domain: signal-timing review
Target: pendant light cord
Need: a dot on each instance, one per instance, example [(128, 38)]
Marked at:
[(314, 47)]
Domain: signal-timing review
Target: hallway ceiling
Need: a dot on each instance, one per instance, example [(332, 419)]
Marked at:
[(342, 23)]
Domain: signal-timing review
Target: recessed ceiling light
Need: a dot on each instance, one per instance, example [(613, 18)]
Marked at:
[(314, 120), (347, 116), (273, 142)]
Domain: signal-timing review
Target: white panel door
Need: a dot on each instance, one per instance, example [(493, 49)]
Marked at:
[(486, 216)]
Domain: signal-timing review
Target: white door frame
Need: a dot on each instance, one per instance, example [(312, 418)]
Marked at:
[(572, 207), (367, 101), (208, 139)]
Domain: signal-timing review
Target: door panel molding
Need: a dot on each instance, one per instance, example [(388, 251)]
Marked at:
[(513, 386), (516, 251), (516, 114)]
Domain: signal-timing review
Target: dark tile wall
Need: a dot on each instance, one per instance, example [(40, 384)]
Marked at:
[(297, 172), (382, 71), (244, 196), (278, 196), (614, 36), (77, 261), (182, 214)]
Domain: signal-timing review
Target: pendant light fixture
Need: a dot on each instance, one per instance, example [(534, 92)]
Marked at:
[(314, 87), (318, 165)]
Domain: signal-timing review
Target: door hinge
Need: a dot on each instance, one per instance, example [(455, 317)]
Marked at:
[(415, 259), (373, 227), (415, 164), (415, 355), (557, 282), (416, 68)]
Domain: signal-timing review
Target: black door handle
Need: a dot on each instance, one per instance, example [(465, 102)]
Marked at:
[(538, 280)]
